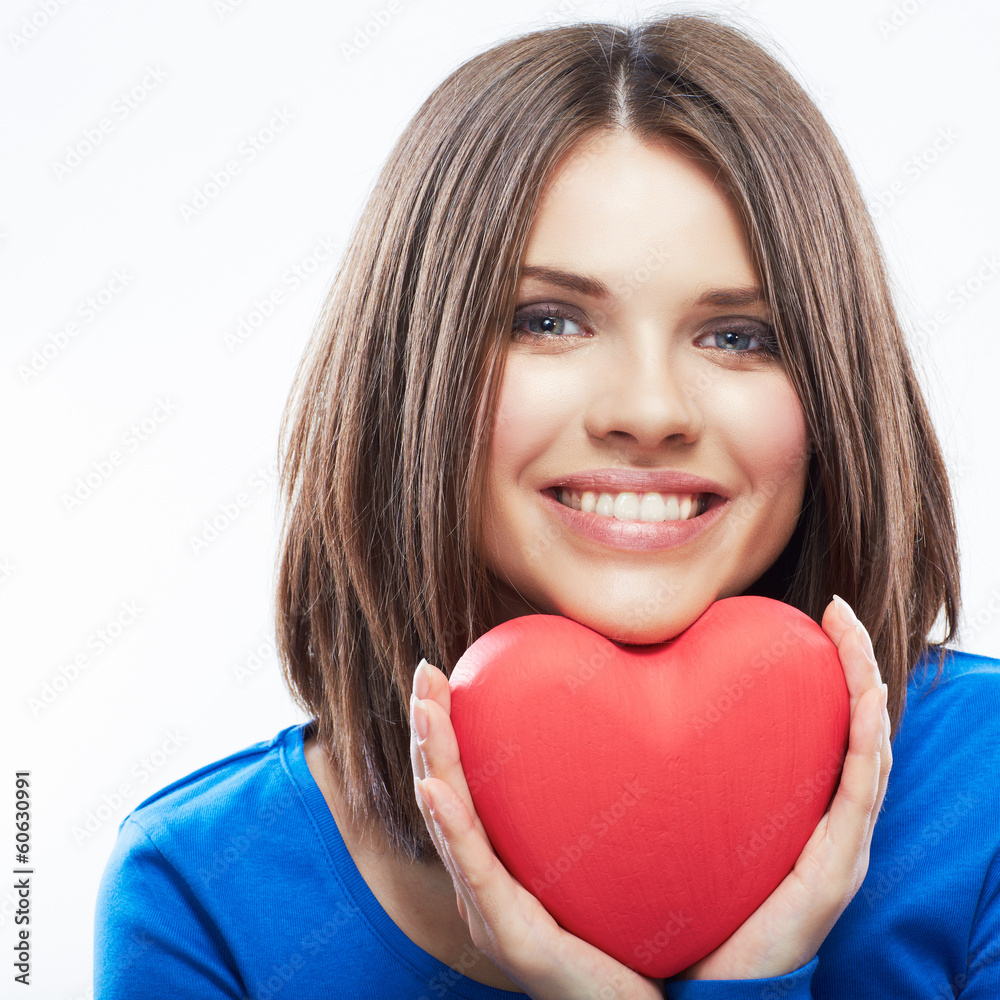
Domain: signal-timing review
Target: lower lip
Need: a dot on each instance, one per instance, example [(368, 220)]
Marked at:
[(637, 535)]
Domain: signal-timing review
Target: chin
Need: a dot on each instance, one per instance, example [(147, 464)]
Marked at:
[(632, 634)]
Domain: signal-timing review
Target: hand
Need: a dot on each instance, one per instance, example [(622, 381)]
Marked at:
[(506, 923), (786, 930)]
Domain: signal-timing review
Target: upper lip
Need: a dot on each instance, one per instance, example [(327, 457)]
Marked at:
[(637, 481)]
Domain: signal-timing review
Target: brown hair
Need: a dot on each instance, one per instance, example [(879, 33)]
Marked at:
[(386, 433)]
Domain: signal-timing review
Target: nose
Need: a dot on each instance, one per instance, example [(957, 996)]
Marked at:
[(643, 397)]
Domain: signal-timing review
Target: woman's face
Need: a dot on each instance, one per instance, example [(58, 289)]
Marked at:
[(636, 370)]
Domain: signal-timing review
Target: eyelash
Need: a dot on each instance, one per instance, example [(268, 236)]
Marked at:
[(763, 332)]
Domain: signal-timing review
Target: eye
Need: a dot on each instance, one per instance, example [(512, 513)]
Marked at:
[(545, 322), (736, 336), (740, 338)]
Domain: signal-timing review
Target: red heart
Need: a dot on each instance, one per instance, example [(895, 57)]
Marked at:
[(652, 797)]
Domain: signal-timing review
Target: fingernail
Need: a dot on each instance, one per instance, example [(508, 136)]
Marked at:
[(885, 699), (422, 679), (866, 641), (420, 720), (846, 612)]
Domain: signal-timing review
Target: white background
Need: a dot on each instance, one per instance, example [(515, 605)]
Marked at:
[(190, 675)]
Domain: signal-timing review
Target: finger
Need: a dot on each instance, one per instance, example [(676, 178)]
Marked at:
[(885, 754), (429, 683), (491, 895), (419, 768), (885, 766), (442, 758), (839, 618), (429, 807), (416, 757), (860, 671), (433, 685), (507, 922), (852, 812)]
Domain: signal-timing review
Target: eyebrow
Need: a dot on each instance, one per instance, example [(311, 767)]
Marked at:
[(595, 288)]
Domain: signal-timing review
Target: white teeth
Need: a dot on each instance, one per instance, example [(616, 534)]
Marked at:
[(626, 507), (629, 506), (652, 508)]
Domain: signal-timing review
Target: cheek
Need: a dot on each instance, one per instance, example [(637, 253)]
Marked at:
[(773, 444), (532, 410)]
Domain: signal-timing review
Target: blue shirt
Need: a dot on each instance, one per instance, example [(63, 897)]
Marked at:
[(235, 882)]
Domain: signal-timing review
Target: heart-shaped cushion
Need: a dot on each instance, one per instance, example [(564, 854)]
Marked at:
[(651, 797)]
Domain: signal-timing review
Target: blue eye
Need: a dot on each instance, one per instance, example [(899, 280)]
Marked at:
[(543, 322), (551, 322), (736, 334)]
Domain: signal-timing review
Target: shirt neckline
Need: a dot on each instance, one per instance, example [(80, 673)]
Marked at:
[(421, 962)]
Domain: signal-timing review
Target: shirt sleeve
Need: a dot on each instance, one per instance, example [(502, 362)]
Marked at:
[(981, 979), (152, 937), (792, 986)]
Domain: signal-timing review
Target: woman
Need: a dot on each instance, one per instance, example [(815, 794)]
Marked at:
[(433, 420)]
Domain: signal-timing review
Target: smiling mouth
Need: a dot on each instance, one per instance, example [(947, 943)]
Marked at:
[(633, 506)]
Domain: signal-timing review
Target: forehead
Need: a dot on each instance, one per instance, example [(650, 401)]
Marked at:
[(615, 205)]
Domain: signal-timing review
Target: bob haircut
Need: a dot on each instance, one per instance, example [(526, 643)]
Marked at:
[(386, 434)]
